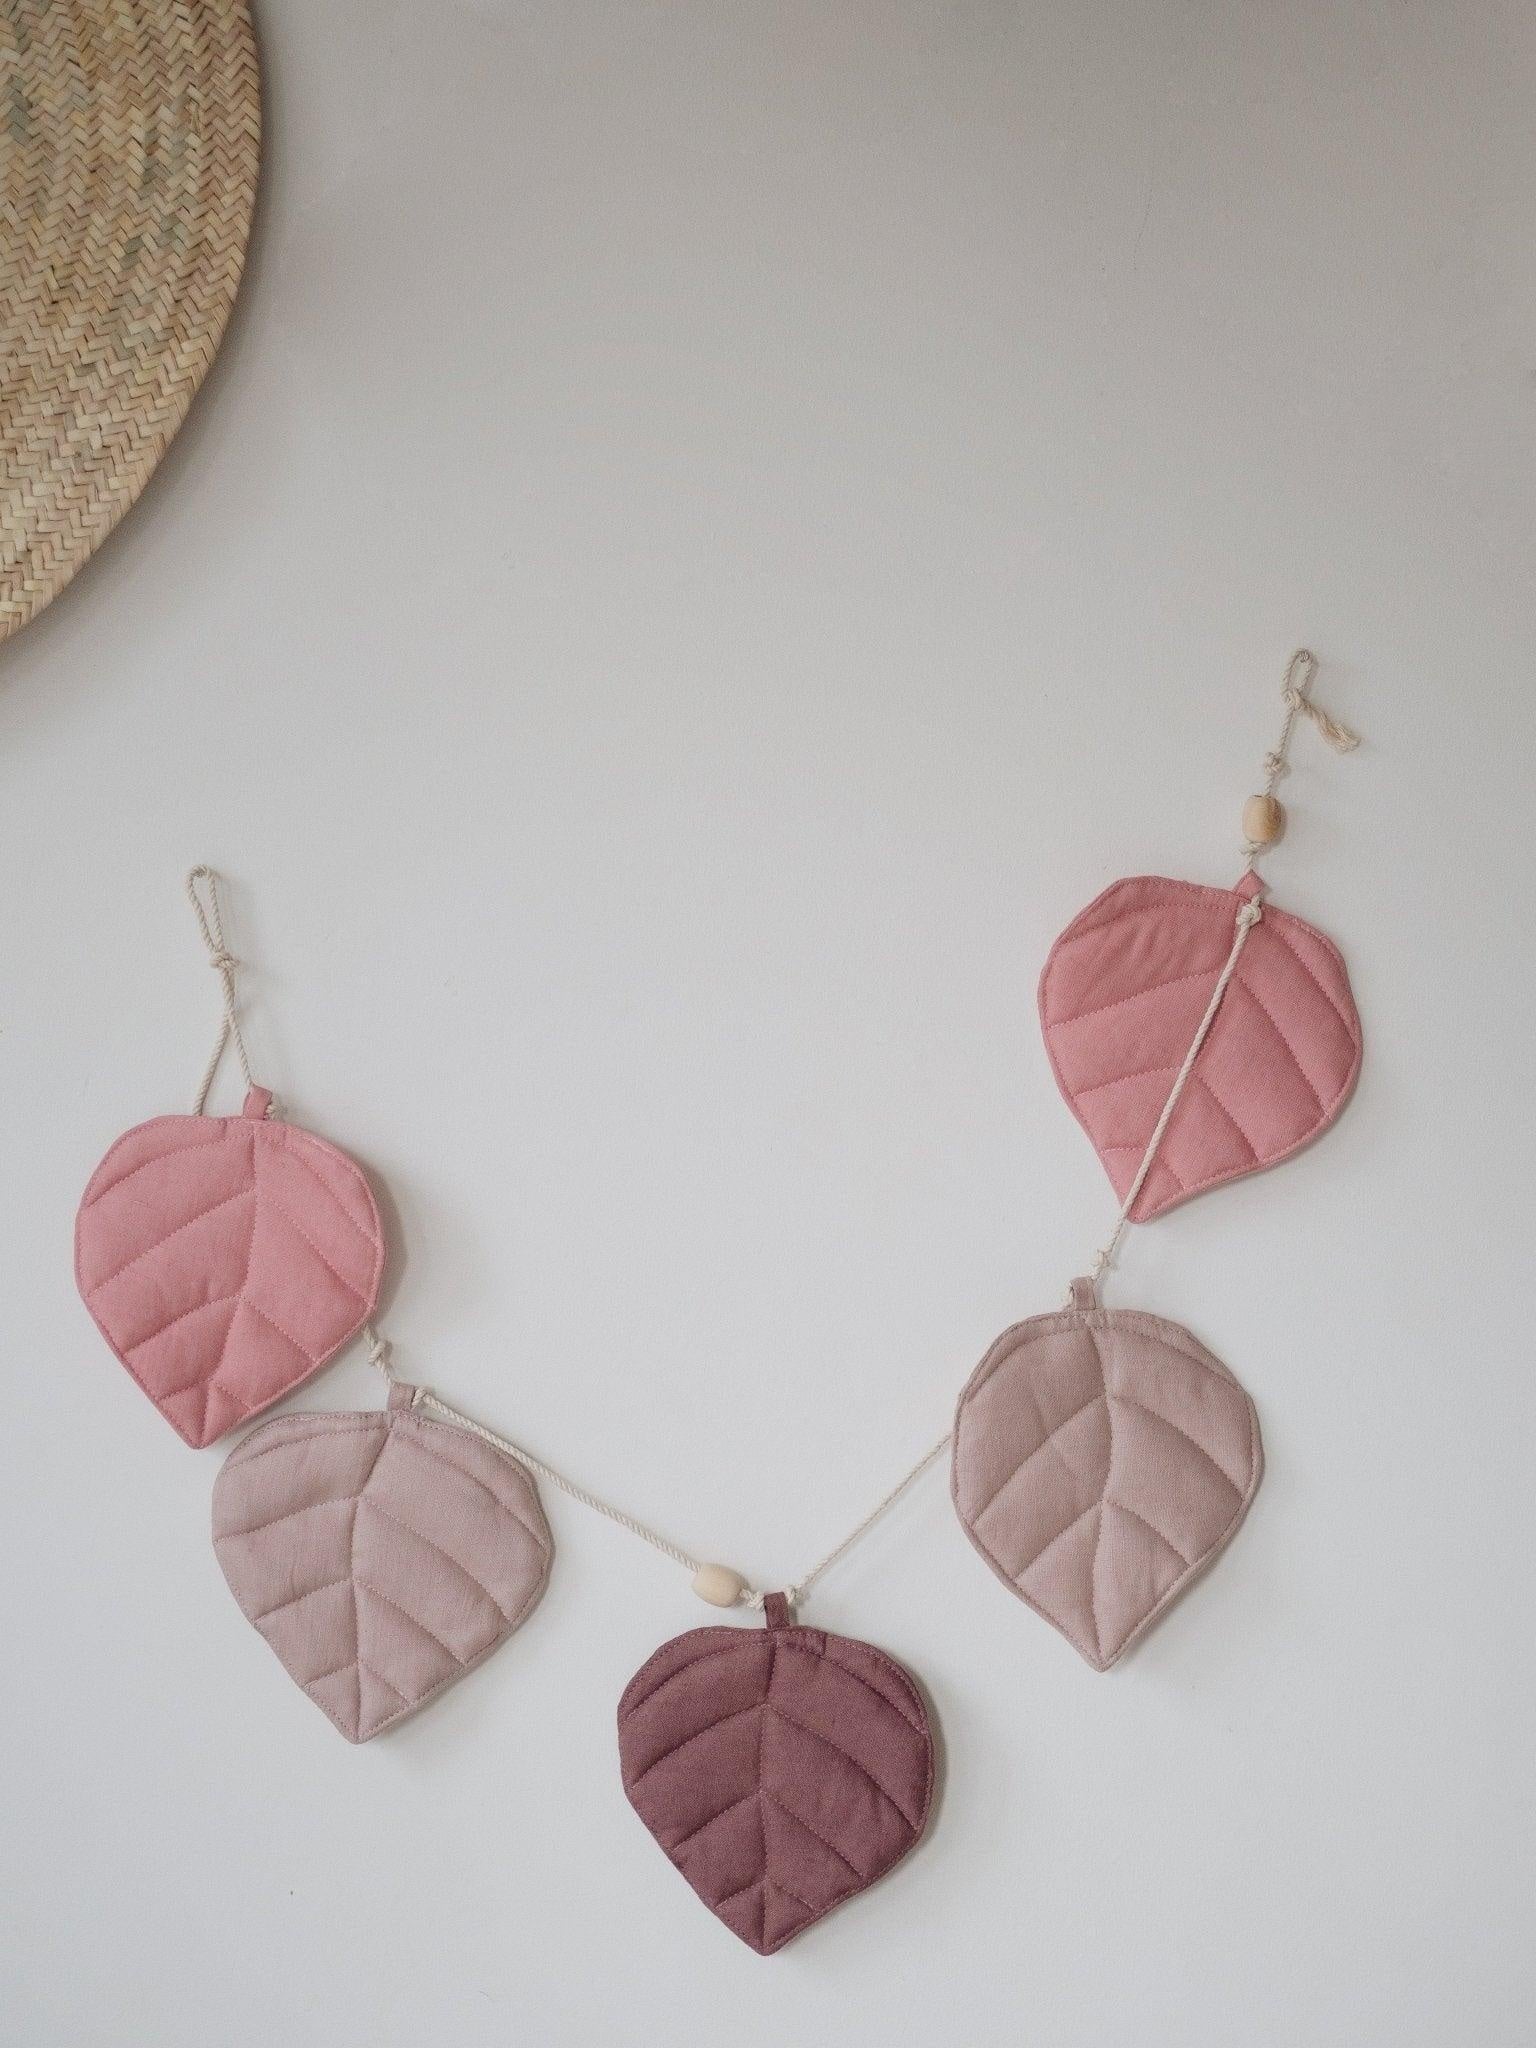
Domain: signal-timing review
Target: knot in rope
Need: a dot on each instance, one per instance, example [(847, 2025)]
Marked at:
[(210, 923), (1296, 690)]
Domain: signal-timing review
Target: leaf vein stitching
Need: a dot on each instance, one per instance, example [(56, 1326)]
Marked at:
[(447, 1558), (240, 1195), (848, 1758), (1024, 1465)]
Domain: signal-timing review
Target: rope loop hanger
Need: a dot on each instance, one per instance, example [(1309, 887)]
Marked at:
[(1263, 816), (210, 922)]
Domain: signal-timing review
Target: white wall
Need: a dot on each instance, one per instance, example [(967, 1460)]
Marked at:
[(716, 530)]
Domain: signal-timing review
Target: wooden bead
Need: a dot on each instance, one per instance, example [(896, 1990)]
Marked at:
[(1263, 820), (719, 1585)]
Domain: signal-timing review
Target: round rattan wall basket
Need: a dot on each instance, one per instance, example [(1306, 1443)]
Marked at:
[(130, 134)]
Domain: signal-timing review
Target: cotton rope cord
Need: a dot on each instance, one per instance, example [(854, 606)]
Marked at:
[(379, 1353), (801, 1587), (210, 923), (1247, 918), (425, 1398), (1296, 692), (379, 1357)]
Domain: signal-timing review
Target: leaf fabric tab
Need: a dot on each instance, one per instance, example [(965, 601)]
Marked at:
[(1102, 1459), (381, 1555), (225, 1260), (1121, 996), (781, 1771)]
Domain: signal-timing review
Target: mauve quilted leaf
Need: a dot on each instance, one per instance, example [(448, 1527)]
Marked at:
[(381, 1555), (782, 1770), (1102, 1458), (1121, 996), (225, 1259)]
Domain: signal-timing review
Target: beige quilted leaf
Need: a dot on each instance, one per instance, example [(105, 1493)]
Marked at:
[(1102, 1458), (381, 1555)]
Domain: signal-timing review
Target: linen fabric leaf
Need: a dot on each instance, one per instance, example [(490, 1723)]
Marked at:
[(1121, 996), (781, 1771), (225, 1260), (1102, 1459), (381, 1555)]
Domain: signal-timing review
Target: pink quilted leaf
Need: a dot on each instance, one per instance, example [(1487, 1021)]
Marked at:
[(1122, 994), (781, 1771), (1102, 1459), (381, 1555), (225, 1259)]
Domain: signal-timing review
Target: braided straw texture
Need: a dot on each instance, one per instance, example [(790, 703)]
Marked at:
[(130, 134)]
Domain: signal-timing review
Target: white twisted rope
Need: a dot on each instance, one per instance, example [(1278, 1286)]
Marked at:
[(210, 923), (801, 1587), (1296, 692), (379, 1354), (1247, 918), (379, 1357)]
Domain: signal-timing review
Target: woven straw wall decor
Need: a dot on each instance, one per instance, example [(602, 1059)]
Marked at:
[(130, 134)]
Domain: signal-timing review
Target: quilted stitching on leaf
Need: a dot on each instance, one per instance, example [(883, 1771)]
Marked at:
[(1121, 996), (1102, 1459), (381, 1556), (781, 1772), (225, 1259)]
